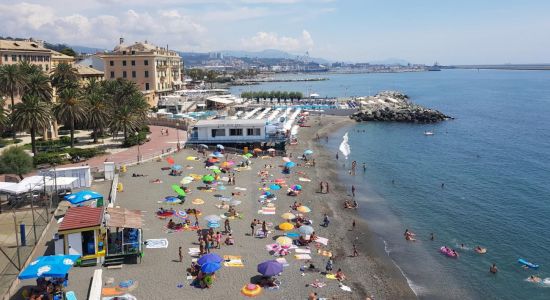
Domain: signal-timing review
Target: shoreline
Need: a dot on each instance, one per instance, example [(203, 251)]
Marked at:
[(378, 274)]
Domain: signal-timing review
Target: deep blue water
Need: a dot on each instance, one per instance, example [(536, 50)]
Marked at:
[(494, 159)]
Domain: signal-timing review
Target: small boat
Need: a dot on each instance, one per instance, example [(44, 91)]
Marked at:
[(528, 264), (448, 252), (428, 133)]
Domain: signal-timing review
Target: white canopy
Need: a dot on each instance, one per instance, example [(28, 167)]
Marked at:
[(31, 183), (61, 181)]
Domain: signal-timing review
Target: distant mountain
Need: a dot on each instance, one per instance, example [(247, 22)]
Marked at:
[(390, 61), (270, 53), (86, 50)]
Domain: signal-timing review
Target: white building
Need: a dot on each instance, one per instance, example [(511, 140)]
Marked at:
[(233, 131)]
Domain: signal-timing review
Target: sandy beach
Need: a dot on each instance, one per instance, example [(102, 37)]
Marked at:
[(161, 276)]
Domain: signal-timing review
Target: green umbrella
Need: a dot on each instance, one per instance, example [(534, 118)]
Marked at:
[(178, 190), (216, 171), (248, 155), (208, 178)]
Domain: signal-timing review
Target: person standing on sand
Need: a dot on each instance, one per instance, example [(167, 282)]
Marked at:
[(227, 226), (326, 183), (353, 224), (252, 226), (355, 252), (326, 221), (353, 190), (264, 228), (180, 254), (321, 187)]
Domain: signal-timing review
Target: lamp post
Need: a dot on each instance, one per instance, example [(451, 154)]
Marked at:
[(178, 135), (138, 153)]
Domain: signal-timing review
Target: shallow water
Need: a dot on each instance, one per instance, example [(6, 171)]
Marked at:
[(494, 160)]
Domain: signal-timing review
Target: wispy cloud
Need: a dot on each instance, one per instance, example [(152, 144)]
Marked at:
[(270, 40)]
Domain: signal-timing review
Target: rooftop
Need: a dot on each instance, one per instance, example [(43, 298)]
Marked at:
[(124, 218), (22, 45), (229, 123), (81, 217), (85, 70), (59, 55)]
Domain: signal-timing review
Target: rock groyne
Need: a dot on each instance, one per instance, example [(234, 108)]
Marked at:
[(391, 106)]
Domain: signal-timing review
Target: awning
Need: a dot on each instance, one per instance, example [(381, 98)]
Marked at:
[(123, 218), (31, 183), (220, 100), (61, 181)]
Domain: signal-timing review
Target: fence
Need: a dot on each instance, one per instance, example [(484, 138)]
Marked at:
[(181, 124)]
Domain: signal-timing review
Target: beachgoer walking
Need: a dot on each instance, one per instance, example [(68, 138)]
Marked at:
[(180, 254), (353, 224), (353, 190), (355, 252), (321, 187), (493, 269), (201, 245), (326, 184), (196, 221), (353, 166), (264, 228), (233, 181), (218, 239), (166, 132), (229, 179), (227, 226), (252, 227)]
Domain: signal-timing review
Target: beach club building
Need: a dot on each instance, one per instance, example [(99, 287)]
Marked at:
[(226, 131)]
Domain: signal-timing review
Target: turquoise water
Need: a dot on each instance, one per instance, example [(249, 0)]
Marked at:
[(494, 159)]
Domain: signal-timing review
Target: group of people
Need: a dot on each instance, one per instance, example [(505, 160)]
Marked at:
[(324, 187), (350, 204), (46, 289)]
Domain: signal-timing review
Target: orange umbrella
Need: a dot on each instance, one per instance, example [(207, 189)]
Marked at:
[(258, 150), (286, 226)]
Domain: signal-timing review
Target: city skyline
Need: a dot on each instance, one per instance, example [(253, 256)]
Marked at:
[(468, 32)]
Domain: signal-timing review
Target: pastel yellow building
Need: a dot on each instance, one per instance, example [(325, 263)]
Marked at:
[(13, 52), (157, 71)]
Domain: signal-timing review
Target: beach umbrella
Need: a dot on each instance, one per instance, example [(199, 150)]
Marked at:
[(181, 214), (227, 164), (283, 241), (185, 181), (221, 147), (56, 266), (191, 158), (213, 160), (275, 187), (219, 155), (203, 146), (178, 190), (197, 201), (279, 180), (170, 160), (296, 187), (210, 267), (306, 229), (216, 171), (286, 226), (286, 159), (213, 168), (271, 150), (251, 290), (209, 258), (257, 150), (270, 268), (212, 218), (213, 225), (288, 216), (172, 200), (303, 209), (308, 152), (207, 178), (176, 167), (83, 196), (290, 164)]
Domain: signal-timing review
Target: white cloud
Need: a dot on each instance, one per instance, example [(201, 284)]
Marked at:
[(270, 40), (42, 22)]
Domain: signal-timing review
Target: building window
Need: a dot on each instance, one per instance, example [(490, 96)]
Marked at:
[(123, 52), (146, 74), (5, 57), (133, 62), (47, 68), (133, 74), (218, 132), (146, 62), (133, 52), (123, 74), (124, 63), (111, 63), (147, 86), (112, 74), (253, 131), (236, 132), (14, 58)]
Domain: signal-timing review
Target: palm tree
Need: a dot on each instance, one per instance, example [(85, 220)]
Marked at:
[(4, 117), (27, 68), (70, 109), (12, 82), (38, 84), (64, 76), (31, 114), (97, 107)]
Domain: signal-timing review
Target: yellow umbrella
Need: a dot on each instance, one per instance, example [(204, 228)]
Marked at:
[(196, 176), (303, 209), (185, 181), (286, 226), (284, 241), (288, 216), (197, 201)]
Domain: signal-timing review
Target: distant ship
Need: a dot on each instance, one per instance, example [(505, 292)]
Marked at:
[(435, 67)]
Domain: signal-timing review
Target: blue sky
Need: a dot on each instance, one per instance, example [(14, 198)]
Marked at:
[(420, 31)]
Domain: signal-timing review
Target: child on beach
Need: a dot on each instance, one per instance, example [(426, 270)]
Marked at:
[(180, 254)]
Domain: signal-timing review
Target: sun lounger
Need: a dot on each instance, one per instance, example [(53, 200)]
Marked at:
[(322, 240), (302, 256), (233, 261)]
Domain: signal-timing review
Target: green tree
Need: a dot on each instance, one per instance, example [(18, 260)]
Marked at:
[(68, 51), (97, 108), (70, 109), (4, 116), (31, 114), (38, 84), (12, 81), (15, 160), (211, 77), (196, 74), (64, 76), (27, 69)]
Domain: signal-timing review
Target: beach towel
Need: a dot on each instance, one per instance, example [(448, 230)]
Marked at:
[(233, 261), (282, 261), (293, 235), (302, 256), (156, 243), (70, 295), (322, 240), (240, 188), (194, 251), (268, 210), (345, 288), (304, 179), (190, 228), (110, 291), (302, 251), (326, 253), (330, 276)]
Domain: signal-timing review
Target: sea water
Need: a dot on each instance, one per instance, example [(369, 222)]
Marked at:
[(494, 161)]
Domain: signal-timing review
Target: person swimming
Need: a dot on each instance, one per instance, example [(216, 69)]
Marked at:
[(493, 269), (534, 279)]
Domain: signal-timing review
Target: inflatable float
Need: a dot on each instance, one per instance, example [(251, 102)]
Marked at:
[(448, 252), (528, 264)]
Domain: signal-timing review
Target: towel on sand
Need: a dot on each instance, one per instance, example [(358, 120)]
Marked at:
[(302, 256), (303, 251), (282, 261), (233, 261), (331, 276), (322, 240), (194, 251), (156, 243)]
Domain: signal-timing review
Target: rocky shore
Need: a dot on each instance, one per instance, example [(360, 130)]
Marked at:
[(391, 106)]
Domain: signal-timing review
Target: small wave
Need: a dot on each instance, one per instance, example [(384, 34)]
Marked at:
[(544, 282), (386, 248), (418, 290)]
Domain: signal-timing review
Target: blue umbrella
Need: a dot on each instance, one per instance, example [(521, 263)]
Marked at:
[(56, 266), (308, 152), (83, 196), (275, 187), (209, 258), (270, 268), (213, 225), (176, 167), (216, 153), (210, 267), (221, 147), (290, 164), (172, 199)]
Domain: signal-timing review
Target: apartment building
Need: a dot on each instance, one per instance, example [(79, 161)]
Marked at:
[(157, 71), (13, 52)]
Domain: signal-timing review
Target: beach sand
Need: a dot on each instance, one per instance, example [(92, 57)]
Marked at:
[(161, 276)]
